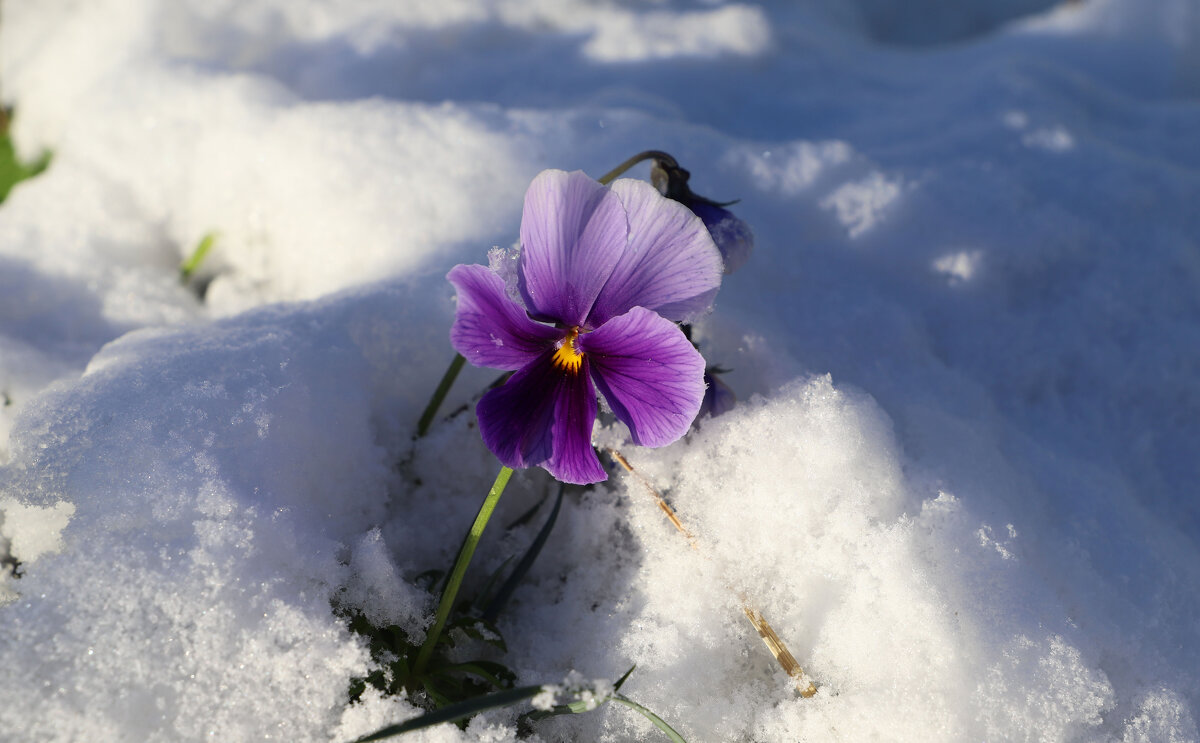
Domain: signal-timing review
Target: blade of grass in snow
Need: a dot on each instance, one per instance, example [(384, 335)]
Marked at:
[(624, 677), (440, 394), (658, 721), (494, 673), (581, 705), (455, 712), (460, 568), (192, 264), (496, 605), (484, 597)]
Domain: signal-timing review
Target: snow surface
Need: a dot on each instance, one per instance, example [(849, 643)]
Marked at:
[(961, 482)]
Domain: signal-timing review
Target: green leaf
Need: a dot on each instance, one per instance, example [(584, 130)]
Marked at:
[(12, 170), (479, 629), (494, 673), (441, 695), (455, 712), (357, 687), (658, 721)]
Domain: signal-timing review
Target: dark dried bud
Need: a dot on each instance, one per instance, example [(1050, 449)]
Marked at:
[(732, 235)]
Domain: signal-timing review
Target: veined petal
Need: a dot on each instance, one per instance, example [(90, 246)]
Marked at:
[(574, 460), (490, 329), (670, 265), (649, 372), (573, 231), (543, 416)]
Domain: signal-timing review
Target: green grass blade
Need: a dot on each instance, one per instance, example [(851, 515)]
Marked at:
[(455, 712), (439, 394), (621, 681), (496, 605), (492, 672), (484, 596), (658, 721), (460, 569), (525, 517), (192, 264)]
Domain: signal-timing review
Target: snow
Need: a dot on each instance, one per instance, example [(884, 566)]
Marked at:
[(960, 481)]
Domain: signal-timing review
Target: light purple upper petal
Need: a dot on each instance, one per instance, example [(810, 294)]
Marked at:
[(649, 372), (670, 265), (490, 329), (573, 231), (543, 416)]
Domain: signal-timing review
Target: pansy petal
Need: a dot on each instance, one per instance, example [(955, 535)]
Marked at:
[(490, 329), (718, 397), (574, 460), (516, 419), (573, 231), (732, 235), (543, 416), (649, 372), (670, 265)]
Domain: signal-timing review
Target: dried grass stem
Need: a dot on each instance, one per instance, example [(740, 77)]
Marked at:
[(773, 642)]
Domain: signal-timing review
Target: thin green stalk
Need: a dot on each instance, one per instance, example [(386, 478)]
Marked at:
[(440, 393), (460, 569), (611, 175)]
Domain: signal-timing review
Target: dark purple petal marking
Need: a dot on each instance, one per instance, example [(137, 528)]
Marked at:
[(516, 418), (489, 328), (543, 416), (574, 460), (670, 264), (649, 372), (573, 231)]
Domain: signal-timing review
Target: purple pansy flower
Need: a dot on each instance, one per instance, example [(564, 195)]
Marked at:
[(603, 273)]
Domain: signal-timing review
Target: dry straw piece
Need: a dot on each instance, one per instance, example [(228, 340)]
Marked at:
[(773, 642)]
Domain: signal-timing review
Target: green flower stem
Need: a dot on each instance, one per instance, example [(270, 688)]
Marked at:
[(440, 394), (460, 568), (611, 175)]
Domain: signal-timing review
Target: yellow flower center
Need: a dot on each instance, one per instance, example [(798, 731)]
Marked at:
[(567, 357)]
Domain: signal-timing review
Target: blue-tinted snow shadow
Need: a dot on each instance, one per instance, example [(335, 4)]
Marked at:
[(53, 313)]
